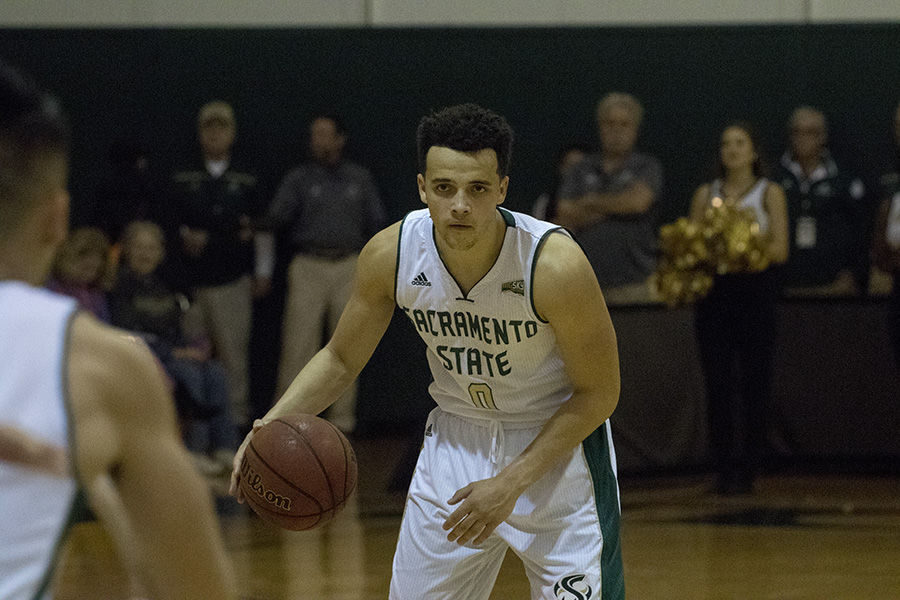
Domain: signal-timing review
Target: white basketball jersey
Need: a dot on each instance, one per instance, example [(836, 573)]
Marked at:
[(491, 355), (35, 508)]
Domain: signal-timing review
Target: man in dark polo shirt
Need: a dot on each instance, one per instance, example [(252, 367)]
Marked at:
[(212, 237), (827, 211), (325, 210), (608, 201)]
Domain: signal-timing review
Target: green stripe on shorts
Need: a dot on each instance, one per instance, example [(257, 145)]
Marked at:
[(597, 453)]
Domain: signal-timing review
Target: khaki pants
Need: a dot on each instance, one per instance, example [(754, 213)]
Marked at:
[(226, 312), (318, 290)]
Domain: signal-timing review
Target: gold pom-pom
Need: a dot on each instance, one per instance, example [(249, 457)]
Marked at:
[(727, 240)]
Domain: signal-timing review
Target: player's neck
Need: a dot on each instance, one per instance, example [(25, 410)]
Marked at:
[(469, 266), (19, 265)]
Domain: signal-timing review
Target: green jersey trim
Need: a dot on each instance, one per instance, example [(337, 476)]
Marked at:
[(77, 504), (397, 261), (537, 253)]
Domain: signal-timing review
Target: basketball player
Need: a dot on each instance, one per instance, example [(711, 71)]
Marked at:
[(69, 382), (518, 453)]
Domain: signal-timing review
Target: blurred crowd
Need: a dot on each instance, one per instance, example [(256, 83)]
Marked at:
[(186, 259)]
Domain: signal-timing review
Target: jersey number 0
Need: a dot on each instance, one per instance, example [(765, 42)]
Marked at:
[(482, 396)]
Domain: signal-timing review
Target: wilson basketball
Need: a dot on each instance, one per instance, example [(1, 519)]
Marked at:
[(298, 471)]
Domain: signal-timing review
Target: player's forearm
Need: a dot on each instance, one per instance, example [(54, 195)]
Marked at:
[(569, 426), (172, 519), (316, 387)]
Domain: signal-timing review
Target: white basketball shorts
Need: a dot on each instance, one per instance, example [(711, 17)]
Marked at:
[(565, 527)]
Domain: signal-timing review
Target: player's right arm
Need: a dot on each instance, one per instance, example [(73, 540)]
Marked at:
[(137, 475), (361, 326)]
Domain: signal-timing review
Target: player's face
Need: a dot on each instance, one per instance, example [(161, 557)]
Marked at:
[(737, 149), (618, 130), (462, 191)]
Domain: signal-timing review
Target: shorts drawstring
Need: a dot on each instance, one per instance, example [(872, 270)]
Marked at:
[(497, 442)]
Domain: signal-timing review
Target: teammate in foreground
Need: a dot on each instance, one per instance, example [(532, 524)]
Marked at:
[(90, 391), (522, 351)]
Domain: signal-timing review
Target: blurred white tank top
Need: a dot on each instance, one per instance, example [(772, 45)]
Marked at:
[(34, 507)]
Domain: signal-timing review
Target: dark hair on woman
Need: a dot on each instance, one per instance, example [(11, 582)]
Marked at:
[(466, 128), (760, 168), (32, 126)]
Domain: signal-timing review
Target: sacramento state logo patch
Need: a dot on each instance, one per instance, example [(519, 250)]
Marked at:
[(572, 587), (516, 287)]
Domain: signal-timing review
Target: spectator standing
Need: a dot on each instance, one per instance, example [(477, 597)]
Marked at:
[(608, 200), (211, 215), (325, 210), (826, 210), (736, 322)]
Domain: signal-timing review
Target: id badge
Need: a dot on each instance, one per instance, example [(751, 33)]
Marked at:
[(805, 236)]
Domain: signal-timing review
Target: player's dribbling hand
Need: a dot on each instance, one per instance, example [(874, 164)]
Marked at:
[(235, 488), (485, 504)]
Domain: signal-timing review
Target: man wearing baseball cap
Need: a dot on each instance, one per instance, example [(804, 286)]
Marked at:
[(212, 206)]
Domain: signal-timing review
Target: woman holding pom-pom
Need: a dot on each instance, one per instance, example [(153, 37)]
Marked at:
[(744, 219)]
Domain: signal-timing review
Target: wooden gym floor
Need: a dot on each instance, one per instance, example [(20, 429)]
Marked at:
[(798, 537)]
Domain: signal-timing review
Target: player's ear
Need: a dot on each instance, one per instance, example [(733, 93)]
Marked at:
[(420, 180), (504, 186)]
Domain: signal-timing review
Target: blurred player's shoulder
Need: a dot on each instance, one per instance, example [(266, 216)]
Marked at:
[(112, 371)]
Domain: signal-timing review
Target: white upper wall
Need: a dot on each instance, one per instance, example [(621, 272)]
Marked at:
[(403, 13), (585, 12)]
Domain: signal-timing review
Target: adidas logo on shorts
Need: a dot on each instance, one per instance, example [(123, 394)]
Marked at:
[(421, 280)]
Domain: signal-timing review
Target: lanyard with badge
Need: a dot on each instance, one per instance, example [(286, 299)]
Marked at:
[(805, 232)]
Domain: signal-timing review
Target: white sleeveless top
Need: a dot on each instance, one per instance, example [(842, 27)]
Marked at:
[(490, 354), (753, 199), (34, 507)]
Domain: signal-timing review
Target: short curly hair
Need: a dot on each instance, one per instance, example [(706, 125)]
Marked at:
[(466, 128)]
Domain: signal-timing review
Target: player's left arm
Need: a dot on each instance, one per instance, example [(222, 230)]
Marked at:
[(567, 295)]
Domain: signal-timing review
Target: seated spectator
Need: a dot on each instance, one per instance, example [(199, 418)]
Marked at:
[(81, 269), (608, 201), (143, 303), (545, 205), (826, 211)]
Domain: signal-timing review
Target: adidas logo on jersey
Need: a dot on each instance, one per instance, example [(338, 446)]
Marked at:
[(421, 280)]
